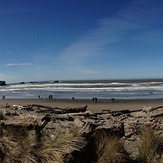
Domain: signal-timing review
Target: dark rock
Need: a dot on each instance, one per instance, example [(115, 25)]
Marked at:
[(33, 82), (2, 83), (22, 83), (56, 81)]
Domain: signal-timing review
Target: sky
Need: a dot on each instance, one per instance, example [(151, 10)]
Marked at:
[(80, 39)]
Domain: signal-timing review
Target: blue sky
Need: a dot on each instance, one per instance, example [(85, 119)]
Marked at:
[(80, 39)]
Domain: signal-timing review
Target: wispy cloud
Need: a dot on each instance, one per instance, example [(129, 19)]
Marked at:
[(18, 64), (137, 16)]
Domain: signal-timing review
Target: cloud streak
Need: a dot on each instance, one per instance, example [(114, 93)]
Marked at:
[(18, 64), (139, 15)]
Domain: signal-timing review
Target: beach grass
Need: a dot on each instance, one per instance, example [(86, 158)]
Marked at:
[(18, 145), (110, 149), (150, 146), (15, 145)]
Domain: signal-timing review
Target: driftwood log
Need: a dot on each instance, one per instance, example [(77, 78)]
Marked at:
[(56, 110)]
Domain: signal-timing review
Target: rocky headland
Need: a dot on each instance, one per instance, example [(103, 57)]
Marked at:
[(2, 83)]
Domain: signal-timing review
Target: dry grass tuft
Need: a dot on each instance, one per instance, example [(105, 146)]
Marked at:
[(46, 153), (110, 149), (55, 144), (150, 146), (17, 144), (15, 149)]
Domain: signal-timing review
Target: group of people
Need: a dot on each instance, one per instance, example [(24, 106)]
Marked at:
[(50, 97), (94, 99)]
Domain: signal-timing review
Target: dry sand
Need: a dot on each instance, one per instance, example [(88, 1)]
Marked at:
[(94, 107)]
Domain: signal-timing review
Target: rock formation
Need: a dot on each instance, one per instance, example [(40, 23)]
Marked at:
[(2, 83)]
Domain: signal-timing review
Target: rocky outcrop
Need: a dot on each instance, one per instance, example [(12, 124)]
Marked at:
[(2, 83)]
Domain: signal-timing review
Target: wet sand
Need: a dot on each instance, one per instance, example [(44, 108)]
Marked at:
[(104, 104)]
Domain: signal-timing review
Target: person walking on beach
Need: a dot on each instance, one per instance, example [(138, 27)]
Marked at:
[(50, 97)]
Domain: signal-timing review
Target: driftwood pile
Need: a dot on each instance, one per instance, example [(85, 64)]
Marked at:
[(125, 123)]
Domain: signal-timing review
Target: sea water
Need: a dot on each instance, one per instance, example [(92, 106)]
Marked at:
[(86, 89)]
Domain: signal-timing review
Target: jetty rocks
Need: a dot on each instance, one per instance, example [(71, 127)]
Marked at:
[(2, 83), (72, 135)]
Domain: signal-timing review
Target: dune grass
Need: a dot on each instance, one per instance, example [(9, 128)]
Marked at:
[(18, 145), (150, 146), (15, 148), (110, 149)]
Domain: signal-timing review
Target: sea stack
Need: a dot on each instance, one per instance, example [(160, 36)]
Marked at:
[(2, 83)]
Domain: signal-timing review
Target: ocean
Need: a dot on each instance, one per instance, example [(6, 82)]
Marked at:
[(85, 89)]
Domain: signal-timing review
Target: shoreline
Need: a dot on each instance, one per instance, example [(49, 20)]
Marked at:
[(102, 104)]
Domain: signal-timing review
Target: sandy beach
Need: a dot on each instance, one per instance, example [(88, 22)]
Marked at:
[(104, 104)]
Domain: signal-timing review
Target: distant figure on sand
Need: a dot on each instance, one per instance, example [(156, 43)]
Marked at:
[(112, 99), (50, 97), (3, 97), (94, 99)]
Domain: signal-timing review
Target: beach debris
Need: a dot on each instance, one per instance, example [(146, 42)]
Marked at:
[(47, 109), (147, 109), (125, 123), (78, 121), (18, 107), (46, 118)]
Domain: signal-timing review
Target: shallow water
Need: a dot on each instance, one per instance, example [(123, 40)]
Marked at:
[(86, 89)]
